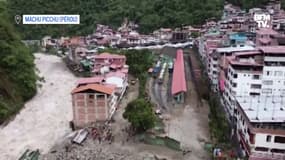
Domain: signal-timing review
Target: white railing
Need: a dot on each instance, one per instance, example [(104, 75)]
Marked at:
[(274, 156)]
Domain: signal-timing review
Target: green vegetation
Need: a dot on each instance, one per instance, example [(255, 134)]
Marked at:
[(149, 14), (219, 127), (247, 4), (17, 76), (160, 141), (139, 61), (140, 114), (195, 34)]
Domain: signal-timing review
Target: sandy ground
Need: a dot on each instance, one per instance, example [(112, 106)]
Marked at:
[(187, 122), (45, 118)]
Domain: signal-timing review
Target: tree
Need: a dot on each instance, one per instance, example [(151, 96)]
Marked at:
[(195, 34), (17, 75), (148, 14), (140, 114)]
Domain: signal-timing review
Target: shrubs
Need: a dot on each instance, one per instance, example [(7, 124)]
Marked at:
[(140, 114), (17, 75)]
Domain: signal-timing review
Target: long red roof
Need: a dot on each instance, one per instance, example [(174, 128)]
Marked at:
[(178, 79)]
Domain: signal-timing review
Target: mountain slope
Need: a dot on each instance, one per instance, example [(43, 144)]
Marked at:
[(149, 14), (17, 76)]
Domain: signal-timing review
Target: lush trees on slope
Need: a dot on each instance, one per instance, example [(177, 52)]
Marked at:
[(149, 14), (247, 4), (17, 76)]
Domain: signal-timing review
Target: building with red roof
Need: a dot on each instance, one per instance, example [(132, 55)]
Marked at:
[(178, 87), (93, 103), (266, 37)]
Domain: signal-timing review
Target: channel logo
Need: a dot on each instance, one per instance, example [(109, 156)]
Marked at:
[(49, 19)]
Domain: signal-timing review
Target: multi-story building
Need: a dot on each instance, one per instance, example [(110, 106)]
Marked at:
[(215, 59), (243, 78), (249, 71), (273, 78), (254, 73), (266, 37), (93, 103), (260, 127)]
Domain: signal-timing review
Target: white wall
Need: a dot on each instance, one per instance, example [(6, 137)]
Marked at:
[(278, 86), (260, 141), (244, 81)]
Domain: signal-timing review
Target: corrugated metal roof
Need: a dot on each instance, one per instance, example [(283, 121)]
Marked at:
[(178, 79)]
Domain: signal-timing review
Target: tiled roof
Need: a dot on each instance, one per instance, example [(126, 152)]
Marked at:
[(264, 40), (109, 56), (97, 79), (267, 31), (94, 87)]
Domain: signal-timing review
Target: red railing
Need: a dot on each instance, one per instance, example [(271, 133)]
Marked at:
[(245, 145)]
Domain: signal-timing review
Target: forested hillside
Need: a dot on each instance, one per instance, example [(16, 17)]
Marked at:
[(247, 4), (149, 14), (17, 76)]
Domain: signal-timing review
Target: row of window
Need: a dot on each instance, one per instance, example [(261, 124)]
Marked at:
[(277, 139), (269, 91), (255, 77), (264, 149), (275, 73)]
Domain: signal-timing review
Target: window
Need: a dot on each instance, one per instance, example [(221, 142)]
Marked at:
[(268, 82), (254, 94), (256, 77), (277, 150), (235, 75), (234, 84), (278, 73), (279, 139), (262, 149), (91, 96), (255, 86), (100, 96), (268, 138), (267, 90), (269, 73)]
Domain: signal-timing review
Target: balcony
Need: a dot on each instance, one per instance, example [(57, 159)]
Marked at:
[(243, 142), (265, 156)]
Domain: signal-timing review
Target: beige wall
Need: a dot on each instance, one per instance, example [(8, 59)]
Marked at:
[(89, 108)]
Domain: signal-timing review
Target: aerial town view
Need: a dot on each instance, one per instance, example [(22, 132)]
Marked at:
[(142, 80)]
